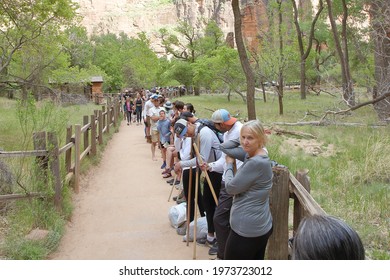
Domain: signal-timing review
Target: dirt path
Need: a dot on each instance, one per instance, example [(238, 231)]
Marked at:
[(122, 209)]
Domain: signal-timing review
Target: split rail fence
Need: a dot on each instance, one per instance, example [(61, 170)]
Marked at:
[(78, 145)]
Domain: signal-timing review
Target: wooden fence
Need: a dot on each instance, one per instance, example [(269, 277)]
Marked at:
[(285, 187), (83, 142)]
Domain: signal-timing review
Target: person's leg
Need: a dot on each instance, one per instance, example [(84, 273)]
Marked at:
[(128, 116), (246, 248), (191, 203), (221, 219), (209, 201), (164, 156)]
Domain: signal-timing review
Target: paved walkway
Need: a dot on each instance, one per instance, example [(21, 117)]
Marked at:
[(122, 209)]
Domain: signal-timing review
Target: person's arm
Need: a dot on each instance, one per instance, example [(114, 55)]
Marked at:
[(244, 178), (233, 149)]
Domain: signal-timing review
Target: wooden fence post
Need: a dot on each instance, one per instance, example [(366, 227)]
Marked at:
[(299, 210), (104, 114), (100, 123), (279, 203), (77, 164), (86, 134), (68, 153), (55, 168), (93, 135), (115, 112), (108, 122)]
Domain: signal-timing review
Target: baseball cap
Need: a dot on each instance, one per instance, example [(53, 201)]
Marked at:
[(154, 96), (223, 116), (180, 128), (186, 115)]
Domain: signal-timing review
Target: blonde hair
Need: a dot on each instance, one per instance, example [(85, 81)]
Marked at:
[(257, 129)]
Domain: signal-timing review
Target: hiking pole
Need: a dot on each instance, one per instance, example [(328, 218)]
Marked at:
[(173, 185), (206, 174), (189, 206), (196, 210)]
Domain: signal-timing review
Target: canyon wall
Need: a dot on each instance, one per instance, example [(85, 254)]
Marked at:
[(135, 16)]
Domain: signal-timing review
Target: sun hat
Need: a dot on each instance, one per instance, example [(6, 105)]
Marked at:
[(180, 128), (223, 116), (168, 105)]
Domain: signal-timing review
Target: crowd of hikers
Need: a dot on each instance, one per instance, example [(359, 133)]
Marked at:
[(236, 172)]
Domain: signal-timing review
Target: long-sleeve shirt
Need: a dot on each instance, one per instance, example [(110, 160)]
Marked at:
[(250, 214), (220, 164), (208, 147)]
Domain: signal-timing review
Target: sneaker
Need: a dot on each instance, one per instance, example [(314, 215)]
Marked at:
[(170, 181), (177, 182), (214, 249), (204, 241), (163, 165)]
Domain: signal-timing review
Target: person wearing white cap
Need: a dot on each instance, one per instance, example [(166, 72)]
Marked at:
[(230, 127)]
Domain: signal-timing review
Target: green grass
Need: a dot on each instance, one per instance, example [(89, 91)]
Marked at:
[(25, 215), (353, 183)]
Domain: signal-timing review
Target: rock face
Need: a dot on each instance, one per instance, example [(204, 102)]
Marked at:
[(135, 16)]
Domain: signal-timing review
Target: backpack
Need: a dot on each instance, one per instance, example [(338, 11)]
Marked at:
[(210, 124)]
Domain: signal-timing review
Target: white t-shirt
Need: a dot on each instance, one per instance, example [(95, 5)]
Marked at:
[(154, 112)]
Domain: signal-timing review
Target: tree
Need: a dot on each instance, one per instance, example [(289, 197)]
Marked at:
[(341, 43), (24, 22), (250, 77), (380, 22), (304, 53), (221, 70)]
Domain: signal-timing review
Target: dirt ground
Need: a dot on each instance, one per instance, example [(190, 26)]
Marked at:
[(121, 211)]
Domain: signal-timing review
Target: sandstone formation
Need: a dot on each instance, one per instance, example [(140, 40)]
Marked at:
[(135, 16)]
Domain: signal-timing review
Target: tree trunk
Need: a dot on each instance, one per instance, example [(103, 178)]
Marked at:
[(280, 84), (250, 77), (348, 92), (264, 94), (381, 37), (305, 53)]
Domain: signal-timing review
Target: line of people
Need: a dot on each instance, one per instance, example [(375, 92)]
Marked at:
[(237, 182)]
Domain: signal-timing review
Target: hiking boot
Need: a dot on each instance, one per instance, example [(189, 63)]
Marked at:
[(214, 249), (204, 241)]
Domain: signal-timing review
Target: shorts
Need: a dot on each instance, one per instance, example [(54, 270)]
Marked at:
[(147, 122), (155, 136)]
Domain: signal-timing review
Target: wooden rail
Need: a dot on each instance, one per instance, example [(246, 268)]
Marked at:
[(77, 147), (285, 187)]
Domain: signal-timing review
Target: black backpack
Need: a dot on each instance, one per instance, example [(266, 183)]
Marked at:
[(210, 124)]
